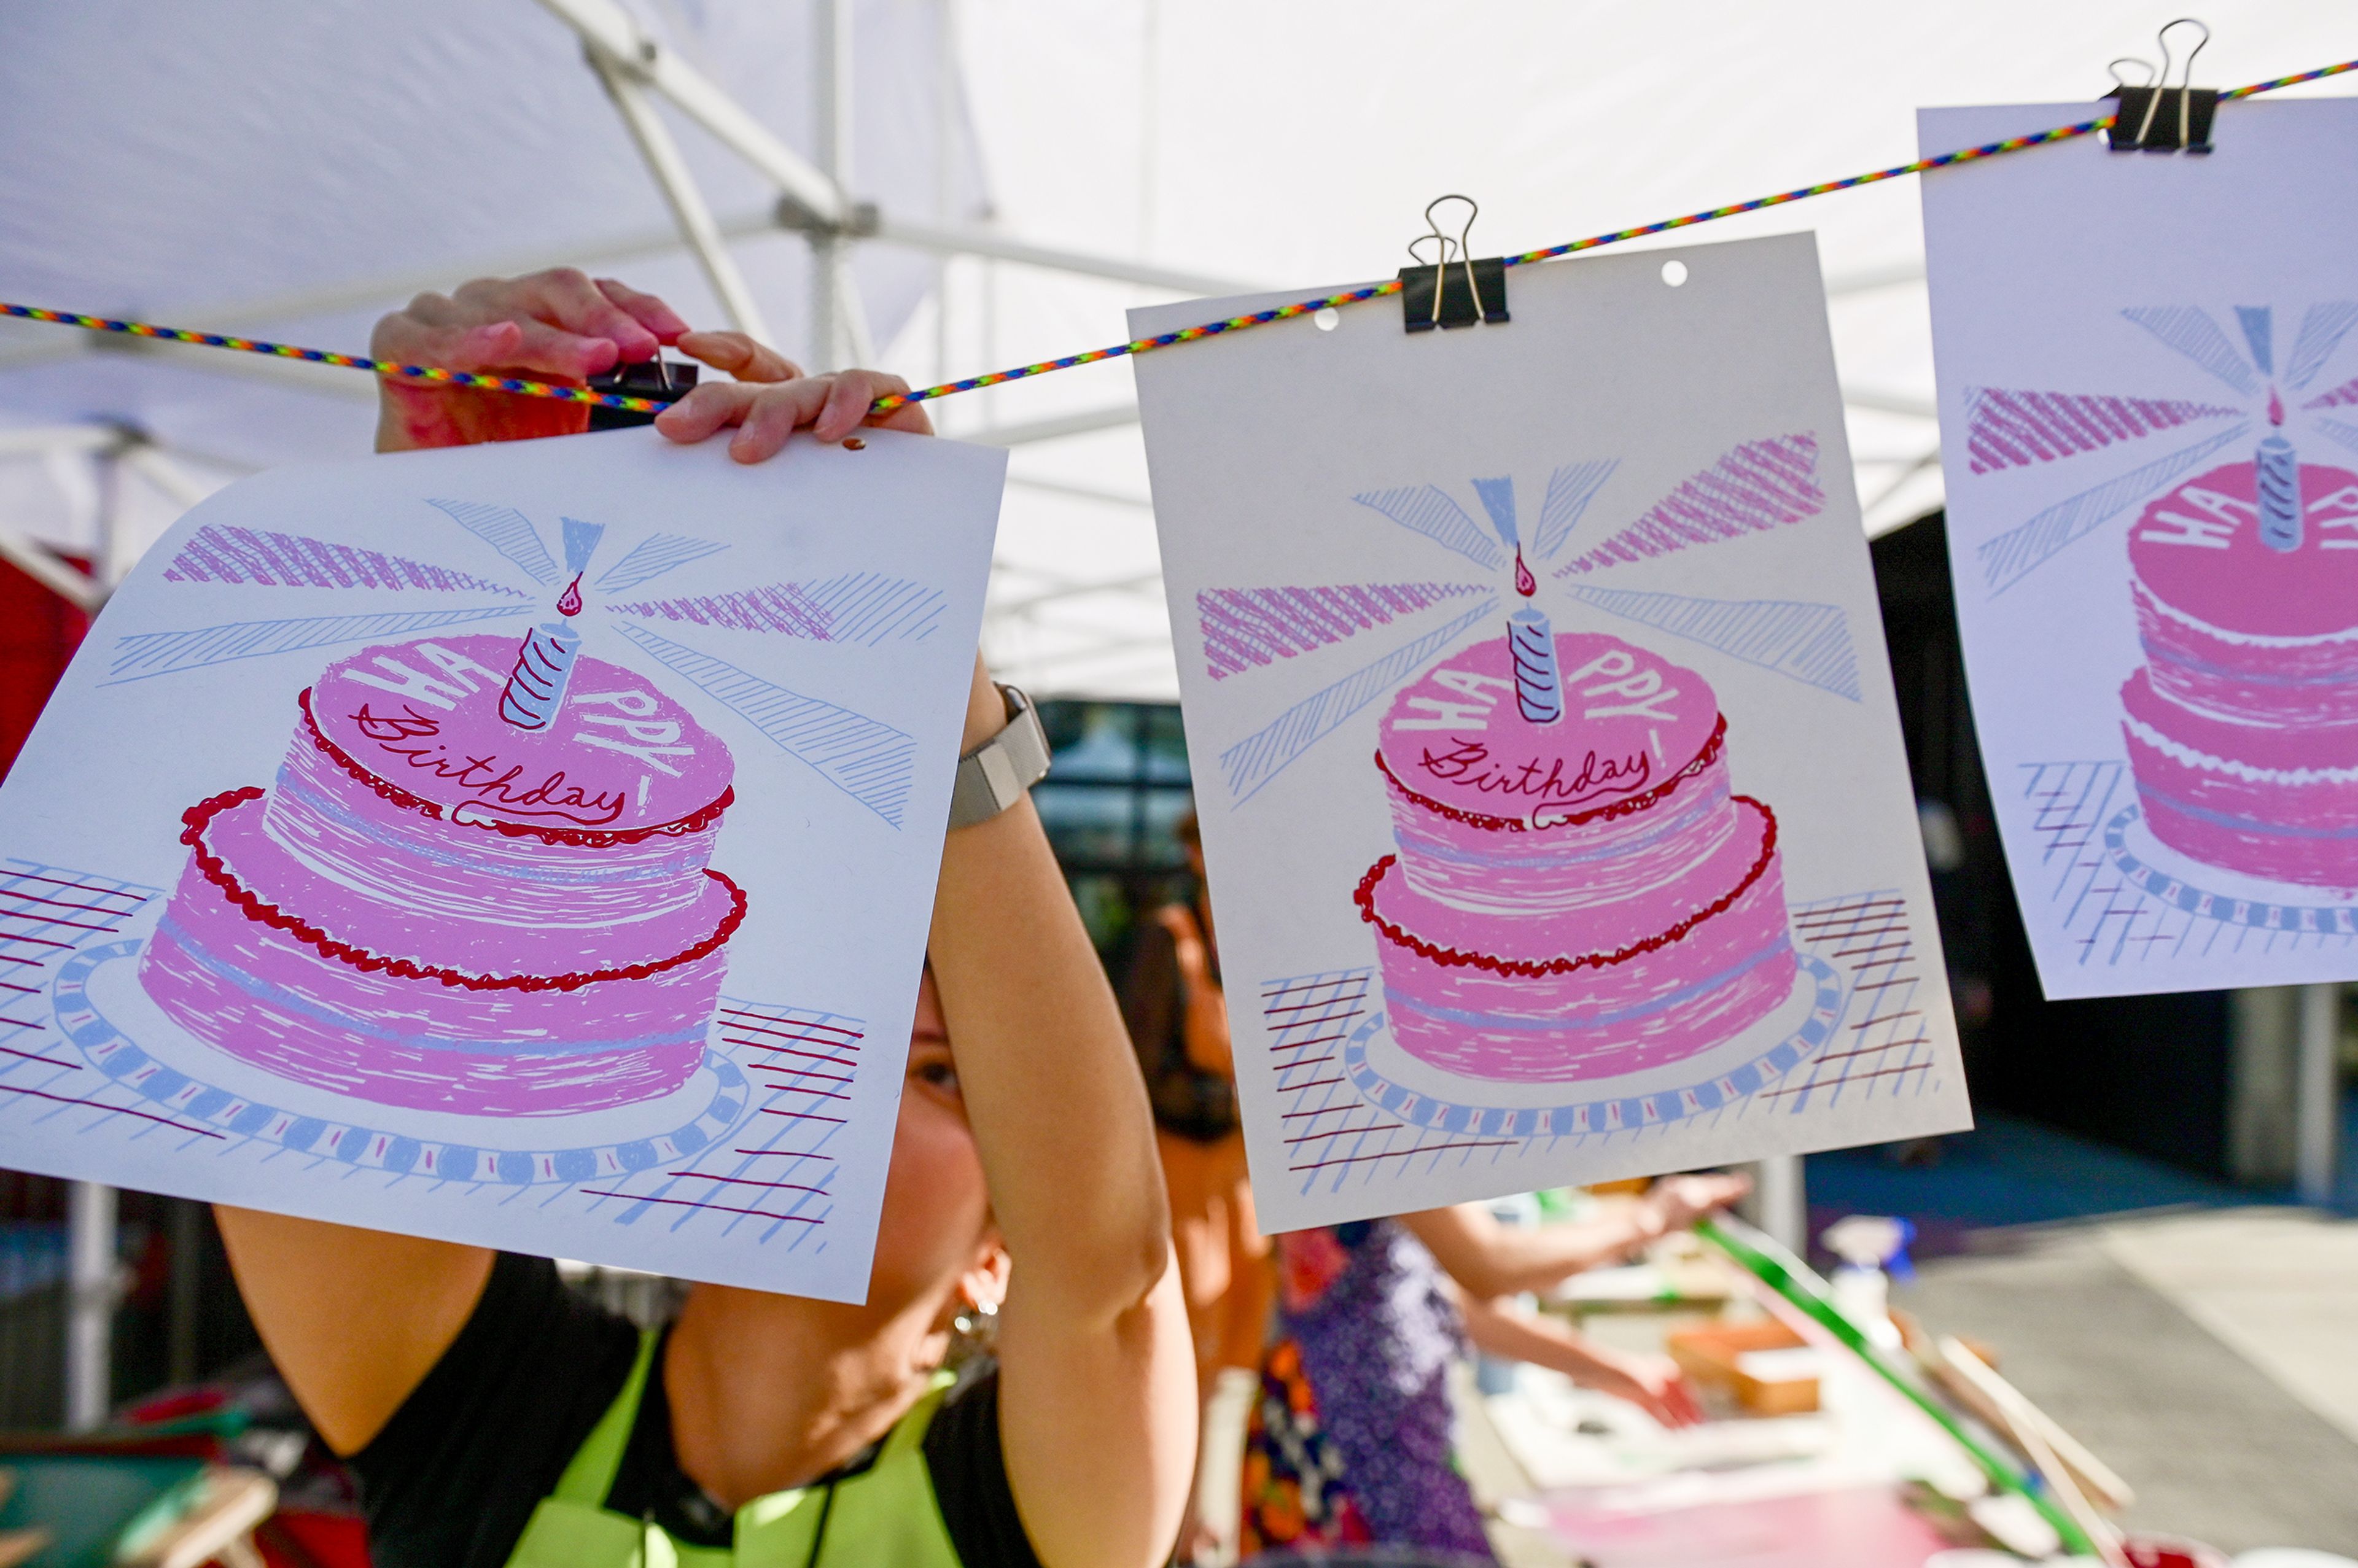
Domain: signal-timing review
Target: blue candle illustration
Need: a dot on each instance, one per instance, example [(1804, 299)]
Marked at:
[(2276, 477), (536, 687), (1538, 687)]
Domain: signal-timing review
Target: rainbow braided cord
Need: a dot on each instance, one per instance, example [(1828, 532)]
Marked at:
[(1137, 346), (1965, 154), (2320, 74), (326, 357), (1300, 307), (1304, 306)]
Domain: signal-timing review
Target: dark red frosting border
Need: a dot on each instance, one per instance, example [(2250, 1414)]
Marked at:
[(1636, 803), (261, 912), (585, 838), (1451, 958)]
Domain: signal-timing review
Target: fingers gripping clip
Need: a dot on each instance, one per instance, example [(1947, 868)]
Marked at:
[(667, 379), (1451, 289), (2156, 118)]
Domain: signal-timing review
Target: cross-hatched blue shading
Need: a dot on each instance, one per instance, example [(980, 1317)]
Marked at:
[(2260, 333), (1427, 510), (2347, 435), (867, 760), (2192, 333), (1569, 489), (1260, 757), (870, 608), (1809, 643), (653, 555), (2321, 329), (580, 543), (2015, 553), (506, 530), (143, 655)]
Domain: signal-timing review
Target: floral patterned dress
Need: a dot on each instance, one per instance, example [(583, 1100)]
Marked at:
[(1349, 1441)]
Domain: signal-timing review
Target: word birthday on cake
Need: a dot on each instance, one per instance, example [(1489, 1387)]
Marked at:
[(1509, 728), (2153, 516), (431, 843)]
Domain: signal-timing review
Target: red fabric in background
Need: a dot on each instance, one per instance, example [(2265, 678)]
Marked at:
[(295, 1538), (38, 633)]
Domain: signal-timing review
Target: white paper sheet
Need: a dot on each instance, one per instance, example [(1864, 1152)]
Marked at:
[(2178, 802), (278, 955), (1340, 511)]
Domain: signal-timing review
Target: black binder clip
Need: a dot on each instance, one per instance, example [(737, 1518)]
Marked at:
[(669, 380), (2156, 117), (1452, 289)]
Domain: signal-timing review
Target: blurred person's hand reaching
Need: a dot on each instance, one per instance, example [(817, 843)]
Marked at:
[(1675, 1203)]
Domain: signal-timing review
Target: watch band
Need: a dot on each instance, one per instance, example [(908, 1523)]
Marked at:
[(994, 776)]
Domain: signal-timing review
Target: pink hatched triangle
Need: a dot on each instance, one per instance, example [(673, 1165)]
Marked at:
[(1247, 626), (221, 553), (2345, 394), (1758, 485), (2007, 428)]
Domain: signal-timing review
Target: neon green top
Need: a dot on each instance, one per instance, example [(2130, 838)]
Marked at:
[(884, 1517)]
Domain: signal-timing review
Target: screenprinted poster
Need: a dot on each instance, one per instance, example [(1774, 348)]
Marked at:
[(527, 845), (2149, 429), (1556, 814)]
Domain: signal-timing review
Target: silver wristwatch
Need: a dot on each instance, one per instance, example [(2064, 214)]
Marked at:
[(994, 776)]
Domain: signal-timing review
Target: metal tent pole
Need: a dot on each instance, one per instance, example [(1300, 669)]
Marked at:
[(839, 324), (90, 1302), (945, 99), (2317, 1093), (678, 185), (1780, 1202)]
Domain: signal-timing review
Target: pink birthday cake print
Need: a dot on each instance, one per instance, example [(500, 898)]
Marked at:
[(477, 884), (2242, 722), (1577, 891)]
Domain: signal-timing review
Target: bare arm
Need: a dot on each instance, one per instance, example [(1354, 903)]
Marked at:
[(352, 1318), (1652, 1383), (356, 1318), (1098, 1384), (1096, 1378), (1491, 1260)]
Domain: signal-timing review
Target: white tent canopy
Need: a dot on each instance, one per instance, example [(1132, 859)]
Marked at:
[(1298, 145), (292, 171)]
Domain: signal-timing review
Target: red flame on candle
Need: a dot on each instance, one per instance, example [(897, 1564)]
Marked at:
[(1525, 584), (571, 603), (2276, 407)]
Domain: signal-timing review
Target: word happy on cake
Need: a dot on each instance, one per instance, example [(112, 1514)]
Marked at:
[(1470, 763), (632, 717)]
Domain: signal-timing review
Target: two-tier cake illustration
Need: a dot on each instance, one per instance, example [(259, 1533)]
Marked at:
[(2241, 724), (478, 884), (1577, 893)]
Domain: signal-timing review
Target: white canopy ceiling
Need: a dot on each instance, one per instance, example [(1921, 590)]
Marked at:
[(292, 169), (1297, 144)]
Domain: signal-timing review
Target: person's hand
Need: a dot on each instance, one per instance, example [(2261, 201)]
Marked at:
[(1677, 1202), (557, 326), (770, 400), (1653, 1383)]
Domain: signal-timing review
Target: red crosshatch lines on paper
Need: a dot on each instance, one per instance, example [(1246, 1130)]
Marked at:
[(1884, 1046), (45, 914), (776, 1173), (1328, 1128)]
